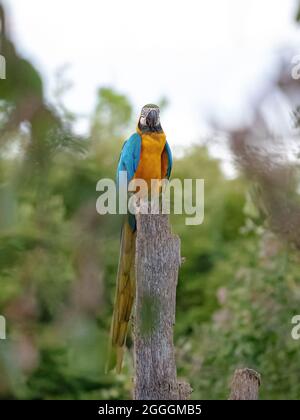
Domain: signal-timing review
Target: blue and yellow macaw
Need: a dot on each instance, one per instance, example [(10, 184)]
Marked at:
[(145, 155)]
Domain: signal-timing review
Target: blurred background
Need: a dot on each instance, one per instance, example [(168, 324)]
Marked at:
[(77, 75)]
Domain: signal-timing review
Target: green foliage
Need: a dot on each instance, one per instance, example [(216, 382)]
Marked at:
[(112, 114)]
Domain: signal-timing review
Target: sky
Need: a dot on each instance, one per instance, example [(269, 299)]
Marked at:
[(207, 57)]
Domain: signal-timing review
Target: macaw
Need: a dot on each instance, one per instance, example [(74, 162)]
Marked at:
[(145, 155)]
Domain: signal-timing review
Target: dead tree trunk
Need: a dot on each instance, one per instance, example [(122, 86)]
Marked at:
[(244, 385), (157, 264)]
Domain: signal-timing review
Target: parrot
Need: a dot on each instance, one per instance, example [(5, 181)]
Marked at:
[(145, 155)]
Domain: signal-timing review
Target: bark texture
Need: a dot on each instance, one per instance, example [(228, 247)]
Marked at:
[(157, 264), (245, 385)]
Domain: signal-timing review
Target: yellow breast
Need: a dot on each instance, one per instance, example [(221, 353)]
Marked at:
[(150, 165)]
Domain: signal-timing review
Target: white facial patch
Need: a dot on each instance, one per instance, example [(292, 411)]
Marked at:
[(144, 113)]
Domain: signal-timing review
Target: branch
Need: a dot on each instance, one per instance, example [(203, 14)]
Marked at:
[(245, 385), (157, 264)]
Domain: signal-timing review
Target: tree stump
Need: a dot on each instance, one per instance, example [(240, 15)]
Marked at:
[(245, 385), (157, 263)]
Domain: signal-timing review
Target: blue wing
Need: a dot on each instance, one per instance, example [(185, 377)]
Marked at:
[(170, 159), (128, 162), (130, 156)]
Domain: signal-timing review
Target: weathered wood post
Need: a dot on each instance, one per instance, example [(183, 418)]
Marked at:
[(245, 384), (157, 263)]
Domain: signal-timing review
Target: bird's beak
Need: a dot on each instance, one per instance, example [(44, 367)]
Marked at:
[(151, 119)]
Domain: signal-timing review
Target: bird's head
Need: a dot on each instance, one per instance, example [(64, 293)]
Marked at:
[(149, 120)]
